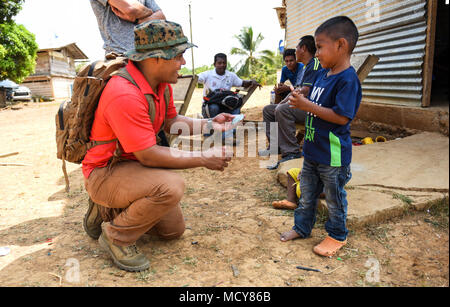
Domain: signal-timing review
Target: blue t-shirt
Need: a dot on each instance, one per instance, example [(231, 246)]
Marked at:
[(325, 142), (308, 74), (286, 74)]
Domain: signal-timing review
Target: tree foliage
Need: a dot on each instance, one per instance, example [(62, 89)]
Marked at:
[(259, 65), (18, 47), (248, 49), (9, 9), (198, 70)]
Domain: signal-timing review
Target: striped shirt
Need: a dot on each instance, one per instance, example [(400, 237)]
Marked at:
[(308, 75)]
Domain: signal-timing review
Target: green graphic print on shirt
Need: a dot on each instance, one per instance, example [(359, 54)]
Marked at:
[(310, 130)]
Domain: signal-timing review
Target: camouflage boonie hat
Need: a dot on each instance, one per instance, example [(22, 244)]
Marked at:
[(158, 39)]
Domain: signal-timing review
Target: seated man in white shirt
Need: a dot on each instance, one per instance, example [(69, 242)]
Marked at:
[(221, 78)]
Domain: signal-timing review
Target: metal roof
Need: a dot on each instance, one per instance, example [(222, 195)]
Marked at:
[(72, 48)]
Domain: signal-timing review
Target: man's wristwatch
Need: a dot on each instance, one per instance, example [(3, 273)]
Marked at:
[(209, 125)]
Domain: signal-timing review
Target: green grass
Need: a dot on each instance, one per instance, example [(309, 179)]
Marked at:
[(145, 276), (268, 196), (379, 233), (190, 261), (190, 191), (405, 199), (438, 213), (172, 269)]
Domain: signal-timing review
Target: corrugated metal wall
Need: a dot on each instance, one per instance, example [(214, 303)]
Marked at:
[(398, 38)]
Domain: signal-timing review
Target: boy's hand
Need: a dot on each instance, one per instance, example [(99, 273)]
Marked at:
[(298, 101)]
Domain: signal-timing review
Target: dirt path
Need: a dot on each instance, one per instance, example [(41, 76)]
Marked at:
[(231, 237)]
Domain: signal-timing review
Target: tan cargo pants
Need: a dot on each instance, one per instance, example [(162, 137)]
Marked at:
[(150, 198)]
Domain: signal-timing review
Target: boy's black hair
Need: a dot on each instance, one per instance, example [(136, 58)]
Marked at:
[(289, 52), (220, 56), (309, 42), (340, 27)]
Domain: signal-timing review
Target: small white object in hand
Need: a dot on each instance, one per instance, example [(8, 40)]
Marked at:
[(237, 119), (4, 250)]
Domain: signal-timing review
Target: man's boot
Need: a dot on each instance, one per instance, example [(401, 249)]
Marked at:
[(127, 258), (92, 222)]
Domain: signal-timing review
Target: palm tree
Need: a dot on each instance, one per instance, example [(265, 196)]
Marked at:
[(272, 59), (249, 45)]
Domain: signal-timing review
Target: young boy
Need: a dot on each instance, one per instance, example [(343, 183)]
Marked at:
[(331, 105)]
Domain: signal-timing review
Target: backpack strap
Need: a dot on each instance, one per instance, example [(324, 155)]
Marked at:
[(90, 72), (96, 143), (123, 72)]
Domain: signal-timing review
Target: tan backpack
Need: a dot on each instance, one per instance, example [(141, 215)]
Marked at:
[(74, 118)]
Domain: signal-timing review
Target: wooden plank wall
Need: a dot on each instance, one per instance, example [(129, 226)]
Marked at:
[(60, 64), (42, 64), (42, 88)]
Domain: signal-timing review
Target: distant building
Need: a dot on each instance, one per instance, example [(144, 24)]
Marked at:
[(55, 71)]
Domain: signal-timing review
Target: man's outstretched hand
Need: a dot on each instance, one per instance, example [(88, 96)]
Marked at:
[(222, 122), (216, 159)]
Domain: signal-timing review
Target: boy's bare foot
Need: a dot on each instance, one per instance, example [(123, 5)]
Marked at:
[(289, 235)]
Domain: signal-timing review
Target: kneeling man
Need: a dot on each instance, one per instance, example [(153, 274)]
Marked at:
[(129, 180)]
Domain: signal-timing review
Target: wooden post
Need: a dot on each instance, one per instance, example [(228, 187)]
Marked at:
[(429, 52), (192, 49)]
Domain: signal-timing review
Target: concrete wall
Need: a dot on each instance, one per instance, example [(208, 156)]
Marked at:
[(434, 119)]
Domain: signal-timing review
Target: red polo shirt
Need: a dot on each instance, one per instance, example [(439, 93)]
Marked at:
[(122, 114)]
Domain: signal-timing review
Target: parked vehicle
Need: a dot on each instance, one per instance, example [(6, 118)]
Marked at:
[(21, 93), (8, 86), (15, 92)]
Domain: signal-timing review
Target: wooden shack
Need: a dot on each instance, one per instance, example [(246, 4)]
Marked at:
[(55, 72)]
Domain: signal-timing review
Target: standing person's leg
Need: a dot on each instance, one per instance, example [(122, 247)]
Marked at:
[(147, 195), (334, 179), (305, 215)]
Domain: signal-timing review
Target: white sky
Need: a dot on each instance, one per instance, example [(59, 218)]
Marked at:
[(214, 24)]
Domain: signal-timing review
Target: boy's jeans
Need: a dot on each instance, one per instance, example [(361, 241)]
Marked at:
[(314, 179)]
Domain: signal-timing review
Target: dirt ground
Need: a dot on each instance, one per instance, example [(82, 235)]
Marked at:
[(232, 235)]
